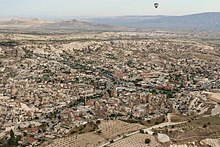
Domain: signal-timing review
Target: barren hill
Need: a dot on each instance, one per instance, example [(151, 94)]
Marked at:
[(38, 24)]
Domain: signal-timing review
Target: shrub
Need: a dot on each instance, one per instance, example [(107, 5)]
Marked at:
[(111, 141), (142, 131), (98, 122), (99, 131), (205, 126), (156, 123), (155, 134), (147, 141)]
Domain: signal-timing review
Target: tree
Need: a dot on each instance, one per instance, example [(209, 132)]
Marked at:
[(169, 94), (155, 133), (154, 92), (99, 131), (142, 131), (156, 123), (147, 141), (12, 135), (12, 140), (98, 122), (205, 126), (25, 133)]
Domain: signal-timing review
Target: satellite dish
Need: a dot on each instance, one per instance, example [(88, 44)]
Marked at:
[(156, 5)]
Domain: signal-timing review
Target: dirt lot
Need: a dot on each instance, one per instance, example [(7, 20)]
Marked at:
[(178, 118), (195, 129), (214, 96)]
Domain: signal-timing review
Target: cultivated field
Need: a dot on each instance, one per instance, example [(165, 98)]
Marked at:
[(112, 129), (81, 140), (137, 140)]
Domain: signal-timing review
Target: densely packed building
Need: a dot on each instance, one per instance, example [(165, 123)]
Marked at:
[(48, 87)]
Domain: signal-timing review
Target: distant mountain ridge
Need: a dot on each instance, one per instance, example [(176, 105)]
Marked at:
[(201, 21), (38, 24)]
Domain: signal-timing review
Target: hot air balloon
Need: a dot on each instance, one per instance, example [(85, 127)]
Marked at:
[(156, 5)]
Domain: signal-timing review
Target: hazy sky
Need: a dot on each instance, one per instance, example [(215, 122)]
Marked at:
[(67, 8)]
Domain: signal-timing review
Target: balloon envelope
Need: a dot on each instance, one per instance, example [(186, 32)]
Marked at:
[(156, 5)]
